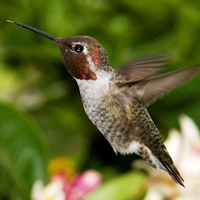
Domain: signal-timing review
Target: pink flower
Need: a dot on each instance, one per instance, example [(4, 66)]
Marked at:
[(82, 184), (65, 186)]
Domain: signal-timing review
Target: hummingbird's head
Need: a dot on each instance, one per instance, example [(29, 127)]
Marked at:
[(83, 56)]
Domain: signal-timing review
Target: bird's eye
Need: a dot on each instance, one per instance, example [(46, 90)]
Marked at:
[(79, 48)]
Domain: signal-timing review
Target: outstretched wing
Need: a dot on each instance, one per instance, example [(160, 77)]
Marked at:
[(146, 85), (153, 88), (143, 68)]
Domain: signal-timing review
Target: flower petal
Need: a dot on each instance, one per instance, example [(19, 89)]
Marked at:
[(53, 191), (83, 184), (190, 159), (173, 144)]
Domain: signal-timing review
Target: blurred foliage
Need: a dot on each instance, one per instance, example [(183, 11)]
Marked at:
[(33, 77), (126, 186), (23, 154)]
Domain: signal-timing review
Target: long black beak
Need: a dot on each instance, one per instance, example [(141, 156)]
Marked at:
[(51, 37)]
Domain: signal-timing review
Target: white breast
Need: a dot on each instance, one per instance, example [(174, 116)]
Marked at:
[(94, 89)]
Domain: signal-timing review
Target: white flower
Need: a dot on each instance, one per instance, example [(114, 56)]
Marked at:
[(53, 191), (61, 188), (184, 148)]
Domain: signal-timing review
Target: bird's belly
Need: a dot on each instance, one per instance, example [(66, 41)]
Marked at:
[(115, 128)]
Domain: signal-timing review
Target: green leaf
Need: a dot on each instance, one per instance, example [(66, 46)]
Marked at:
[(23, 153), (125, 187)]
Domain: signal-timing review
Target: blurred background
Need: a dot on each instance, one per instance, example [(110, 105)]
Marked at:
[(38, 95)]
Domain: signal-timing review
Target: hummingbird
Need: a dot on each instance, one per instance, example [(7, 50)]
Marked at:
[(116, 100)]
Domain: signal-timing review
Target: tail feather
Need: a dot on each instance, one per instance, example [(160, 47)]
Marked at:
[(173, 172)]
